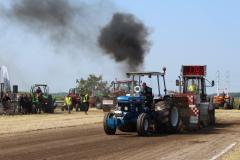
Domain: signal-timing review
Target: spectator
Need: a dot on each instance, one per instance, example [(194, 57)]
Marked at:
[(85, 102), (68, 103), (24, 104), (6, 102), (28, 104), (20, 104)]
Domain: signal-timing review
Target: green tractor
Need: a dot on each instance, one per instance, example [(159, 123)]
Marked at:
[(42, 101)]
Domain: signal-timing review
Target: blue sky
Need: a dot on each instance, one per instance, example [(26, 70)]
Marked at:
[(182, 32), (192, 32)]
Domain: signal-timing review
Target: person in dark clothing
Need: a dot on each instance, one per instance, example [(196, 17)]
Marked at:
[(29, 104), (85, 102), (38, 91), (20, 103), (6, 97), (147, 93), (24, 104), (6, 102)]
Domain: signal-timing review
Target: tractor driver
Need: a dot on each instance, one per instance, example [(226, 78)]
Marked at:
[(192, 87), (147, 93), (38, 91), (39, 94)]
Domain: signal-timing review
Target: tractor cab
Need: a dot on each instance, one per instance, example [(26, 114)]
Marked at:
[(193, 82), (141, 97), (74, 91), (40, 88), (116, 89), (192, 89), (122, 87)]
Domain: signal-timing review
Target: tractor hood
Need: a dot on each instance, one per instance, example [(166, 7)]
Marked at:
[(128, 99)]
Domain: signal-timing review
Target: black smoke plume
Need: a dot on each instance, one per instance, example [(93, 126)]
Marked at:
[(69, 23), (125, 39), (45, 13), (63, 21)]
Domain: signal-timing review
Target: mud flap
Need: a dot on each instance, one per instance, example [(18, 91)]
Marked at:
[(194, 119)]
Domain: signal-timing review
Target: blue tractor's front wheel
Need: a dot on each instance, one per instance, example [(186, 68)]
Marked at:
[(143, 123), (109, 124)]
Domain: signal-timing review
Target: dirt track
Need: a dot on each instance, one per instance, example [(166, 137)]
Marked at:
[(90, 142)]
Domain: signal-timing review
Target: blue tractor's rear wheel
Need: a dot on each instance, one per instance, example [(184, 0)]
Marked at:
[(109, 124), (168, 117), (143, 123)]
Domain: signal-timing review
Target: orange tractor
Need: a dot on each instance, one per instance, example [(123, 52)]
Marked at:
[(223, 101)]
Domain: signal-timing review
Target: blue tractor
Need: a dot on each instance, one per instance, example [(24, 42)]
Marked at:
[(141, 111)]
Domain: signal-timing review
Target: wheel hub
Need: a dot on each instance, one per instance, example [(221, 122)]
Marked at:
[(146, 124), (174, 116)]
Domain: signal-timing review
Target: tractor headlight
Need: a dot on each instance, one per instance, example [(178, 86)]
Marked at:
[(125, 108)]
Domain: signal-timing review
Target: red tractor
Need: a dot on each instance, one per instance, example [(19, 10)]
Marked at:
[(76, 100), (117, 88), (197, 108)]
